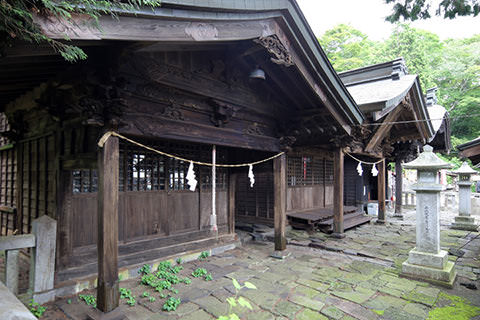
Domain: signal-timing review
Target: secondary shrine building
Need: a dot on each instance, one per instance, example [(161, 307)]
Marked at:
[(247, 77)]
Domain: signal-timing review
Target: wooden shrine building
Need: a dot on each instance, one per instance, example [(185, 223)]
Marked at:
[(471, 150), (247, 77), (397, 123)]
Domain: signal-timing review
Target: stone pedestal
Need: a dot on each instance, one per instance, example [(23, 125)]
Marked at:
[(464, 221), (426, 261)]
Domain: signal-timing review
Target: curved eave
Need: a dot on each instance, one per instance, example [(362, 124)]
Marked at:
[(293, 23)]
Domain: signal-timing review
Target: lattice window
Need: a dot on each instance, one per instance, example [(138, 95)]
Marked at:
[(143, 170), (305, 171), (328, 172), (84, 181)]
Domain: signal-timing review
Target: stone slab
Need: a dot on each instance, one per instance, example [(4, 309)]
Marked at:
[(432, 260), (444, 277), (11, 308), (464, 223)]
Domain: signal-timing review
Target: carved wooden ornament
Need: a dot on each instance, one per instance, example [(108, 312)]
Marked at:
[(275, 47)]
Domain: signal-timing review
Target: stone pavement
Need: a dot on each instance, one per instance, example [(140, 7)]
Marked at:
[(323, 278)]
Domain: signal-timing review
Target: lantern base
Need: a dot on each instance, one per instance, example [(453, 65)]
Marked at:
[(444, 277), (464, 223)]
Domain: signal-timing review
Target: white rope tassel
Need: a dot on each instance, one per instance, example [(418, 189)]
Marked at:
[(191, 177), (360, 169), (251, 176), (374, 170)]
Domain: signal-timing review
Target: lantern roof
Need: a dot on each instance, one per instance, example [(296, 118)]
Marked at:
[(427, 160), (465, 169)]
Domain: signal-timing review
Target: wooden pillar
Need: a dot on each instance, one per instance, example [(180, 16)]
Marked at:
[(381, 192), (338, 172), (231, 201), (107, 289), (398, 188), (280, 193)]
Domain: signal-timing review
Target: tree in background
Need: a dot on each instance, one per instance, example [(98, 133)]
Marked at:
[(452, 65), (421, 50), (348, 48), (17, 19), (421, 9)]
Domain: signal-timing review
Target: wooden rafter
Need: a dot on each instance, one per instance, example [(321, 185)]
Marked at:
[(384, 129)]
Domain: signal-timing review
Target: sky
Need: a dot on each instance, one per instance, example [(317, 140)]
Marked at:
[(368, 16)]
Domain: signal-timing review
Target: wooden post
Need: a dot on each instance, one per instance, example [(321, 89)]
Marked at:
[(398, 188), (338, 171), (381, 192), (231, 201), (108, 171), (280, 193)]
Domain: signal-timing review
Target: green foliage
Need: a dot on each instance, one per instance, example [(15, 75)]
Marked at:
[(348, 48), (151, 299), (127, 294), (36, 309), (203, 256), (186, 280), (179, 260), (89, 299), (69, 301), (237, 300), (199, 272), (145, 269), (421, 9), (171, 304), (18, 19), (145, 294), (208, 277)]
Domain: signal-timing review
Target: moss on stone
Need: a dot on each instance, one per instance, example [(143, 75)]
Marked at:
[(379, 312), (458, 309)]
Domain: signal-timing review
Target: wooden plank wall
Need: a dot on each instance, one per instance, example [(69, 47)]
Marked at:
[(8, 171), (143, 211), (37, 180)]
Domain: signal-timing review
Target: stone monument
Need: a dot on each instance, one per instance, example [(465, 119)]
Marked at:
[(464, 221), (426, 261)]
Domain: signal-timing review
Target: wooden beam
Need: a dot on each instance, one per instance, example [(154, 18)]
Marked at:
[(231, 201), (108, 174), (280, 194), (384, 129), (381, 192), (338, 173), (398, 186)]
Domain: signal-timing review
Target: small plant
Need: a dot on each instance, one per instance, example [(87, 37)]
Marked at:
[(164, 266), (186, 280), (69, 301), (146, 269), (176, 269), (131, 302), (171, 304), (179, 261), (163, 295), (145, 294), (199, 273), (152, 299), (237, 301), (36, 309), (208, 277), (203, 256), (89, 300), (127, 294)]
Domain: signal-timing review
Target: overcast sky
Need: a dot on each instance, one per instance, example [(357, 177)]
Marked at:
[(368, 16)]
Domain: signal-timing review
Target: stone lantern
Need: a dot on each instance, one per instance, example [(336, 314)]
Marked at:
[(426, 261), (464, 221)]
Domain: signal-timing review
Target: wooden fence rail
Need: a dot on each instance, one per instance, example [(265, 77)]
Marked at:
[(42, 265)]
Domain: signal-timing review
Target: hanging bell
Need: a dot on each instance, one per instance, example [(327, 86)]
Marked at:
[(257, 73)]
